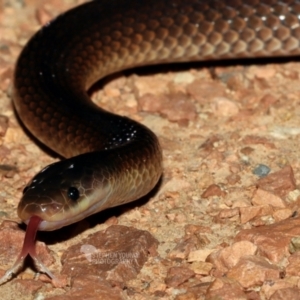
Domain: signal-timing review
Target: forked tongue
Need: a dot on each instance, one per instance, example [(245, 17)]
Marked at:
[(28, 248)]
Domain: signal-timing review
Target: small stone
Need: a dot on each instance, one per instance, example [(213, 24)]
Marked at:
[(248, 213), (87, 286), (228, 257), (282, 214), (266, 102), (224, 107), (201, 268), (273, 240), (178, 275), (6, 75), (288, 293), (293, 195), (43, 15), (149, 85), (32, 286), (252, 271), (247, 150), (151, 103), (293, 267), (213, 190), (176, 107), (271, 286), (203, 91), (258, 140), (184, 77), (175, 185), (263, 197), (193, 228), (266, 72), (199, 255), (233, 179), (184, 247), (295, 244), (112, 91), (228, 288), (280, 183), (261, 170), (228, 213)]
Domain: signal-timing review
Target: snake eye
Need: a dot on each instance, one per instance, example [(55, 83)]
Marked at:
[(73, 193)]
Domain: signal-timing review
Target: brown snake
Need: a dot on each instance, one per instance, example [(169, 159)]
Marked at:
[(113, 160)]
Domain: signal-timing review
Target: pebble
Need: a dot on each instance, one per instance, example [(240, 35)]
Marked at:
[(261, 170)]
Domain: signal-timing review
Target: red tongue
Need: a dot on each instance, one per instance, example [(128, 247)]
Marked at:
[(28, 248), (29, 240)]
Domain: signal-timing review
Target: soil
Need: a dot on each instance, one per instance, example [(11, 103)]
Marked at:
[(222, 223)]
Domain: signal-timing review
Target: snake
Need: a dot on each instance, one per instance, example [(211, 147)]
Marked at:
[(110, 159)]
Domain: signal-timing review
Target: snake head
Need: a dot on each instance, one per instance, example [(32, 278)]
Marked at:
[(62, 193)]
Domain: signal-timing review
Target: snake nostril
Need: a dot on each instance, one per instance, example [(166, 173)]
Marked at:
[(73, 193)]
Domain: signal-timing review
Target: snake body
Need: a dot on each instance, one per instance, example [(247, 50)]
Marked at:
[(111, 160)]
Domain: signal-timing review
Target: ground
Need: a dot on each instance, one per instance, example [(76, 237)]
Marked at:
[(223, 222)]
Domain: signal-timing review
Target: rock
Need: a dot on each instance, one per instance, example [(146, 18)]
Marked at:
[(87, 286), (228, 288), (228, 257), (213, 190), (248, 213), (273, 240), (116, 254), (251, 271), (224, 107), (178, 275), (280, 183), (264, 197), (288, 293), (292, 269)]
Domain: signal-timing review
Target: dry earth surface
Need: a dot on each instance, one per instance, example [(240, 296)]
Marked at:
[(224, 222)]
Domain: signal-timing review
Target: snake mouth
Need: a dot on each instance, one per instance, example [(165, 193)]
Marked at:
[(54, 216), (46, 225), (46, 212)]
